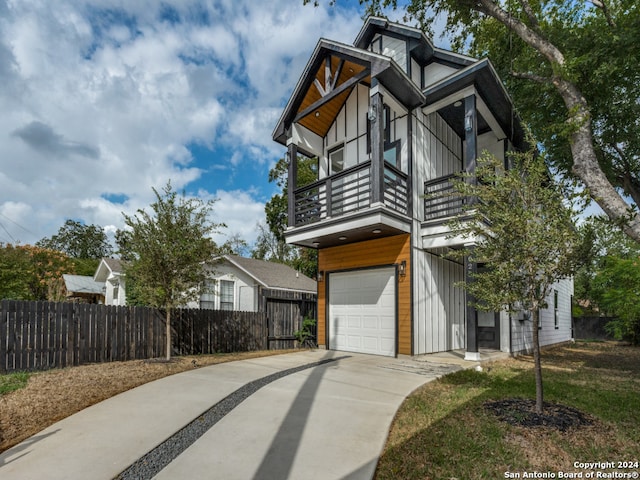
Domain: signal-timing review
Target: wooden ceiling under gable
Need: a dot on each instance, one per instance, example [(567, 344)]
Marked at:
[(326, 95)]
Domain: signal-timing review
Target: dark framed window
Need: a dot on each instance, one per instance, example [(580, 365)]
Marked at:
[(556, 320), (336, 159)]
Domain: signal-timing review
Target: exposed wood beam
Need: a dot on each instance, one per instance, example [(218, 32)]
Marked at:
[(323, 92), (330, 96), (336, 75)]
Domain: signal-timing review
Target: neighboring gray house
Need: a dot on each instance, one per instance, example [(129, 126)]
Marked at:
[(111, 274), (239, 283)]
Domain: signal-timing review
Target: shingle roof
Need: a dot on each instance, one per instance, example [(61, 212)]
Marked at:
[(274, 275), (114, 264), (82, 284)]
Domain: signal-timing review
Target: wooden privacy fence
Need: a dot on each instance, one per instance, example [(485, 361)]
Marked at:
[(43, 335)]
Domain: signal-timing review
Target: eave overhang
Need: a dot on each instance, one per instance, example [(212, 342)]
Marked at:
[(484, 78), (331, 74), (374, 222)]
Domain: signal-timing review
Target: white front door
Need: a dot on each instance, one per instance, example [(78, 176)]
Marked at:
[(362, 311)]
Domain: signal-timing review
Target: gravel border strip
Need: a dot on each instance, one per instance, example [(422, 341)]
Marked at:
[(150, 464)]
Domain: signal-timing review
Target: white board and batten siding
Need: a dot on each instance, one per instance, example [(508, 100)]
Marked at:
[(349, 129), (522, 333), (439, 306), (392, 47)]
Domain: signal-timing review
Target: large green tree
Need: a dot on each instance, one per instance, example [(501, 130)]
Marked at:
[(572, 70), (271, 244), (608, 281), (523, 234), (32, 273), (168, 252), (85, 244), (79, 240)]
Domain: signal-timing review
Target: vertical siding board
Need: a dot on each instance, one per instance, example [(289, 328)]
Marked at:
[(11, 336), (4, 314)]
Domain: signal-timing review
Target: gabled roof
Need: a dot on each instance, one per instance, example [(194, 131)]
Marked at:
[(483, 76), (107, 267), (82, 284), (420, 45), (331, 74), (273, 275)]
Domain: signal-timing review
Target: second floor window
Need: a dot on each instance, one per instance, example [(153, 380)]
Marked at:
[(336, 159)]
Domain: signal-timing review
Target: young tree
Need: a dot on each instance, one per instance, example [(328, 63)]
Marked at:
[(523, 234), (572, 69), (168, 251)]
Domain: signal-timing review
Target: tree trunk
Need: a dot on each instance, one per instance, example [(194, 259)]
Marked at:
[(536, 361), (585, 161), (168, 333)]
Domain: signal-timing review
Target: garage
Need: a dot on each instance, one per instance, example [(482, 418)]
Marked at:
[(362, 311)]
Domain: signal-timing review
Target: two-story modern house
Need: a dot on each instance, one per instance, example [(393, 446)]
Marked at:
[(389, 121)]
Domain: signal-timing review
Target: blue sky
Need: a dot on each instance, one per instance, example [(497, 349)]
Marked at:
[(102, 100)]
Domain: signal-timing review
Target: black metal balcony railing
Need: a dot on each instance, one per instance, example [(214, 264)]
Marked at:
[(440, 200), (349, 191)]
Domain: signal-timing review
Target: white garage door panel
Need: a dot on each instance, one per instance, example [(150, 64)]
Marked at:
[(362, 308)]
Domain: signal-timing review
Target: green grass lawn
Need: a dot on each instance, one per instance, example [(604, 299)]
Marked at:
[(13, 381), (443, 430)]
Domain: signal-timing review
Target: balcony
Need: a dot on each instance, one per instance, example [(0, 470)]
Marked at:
[(350, 205), (440, 202), (441, 205)]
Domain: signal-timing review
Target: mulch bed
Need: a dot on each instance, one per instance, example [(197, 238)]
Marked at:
[(522, 412)]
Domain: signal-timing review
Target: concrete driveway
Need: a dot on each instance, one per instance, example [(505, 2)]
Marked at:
[(315, 414)]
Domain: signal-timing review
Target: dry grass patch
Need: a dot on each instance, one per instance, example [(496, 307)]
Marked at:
[(55, 394)]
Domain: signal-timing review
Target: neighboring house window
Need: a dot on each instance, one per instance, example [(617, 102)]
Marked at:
[(336, 159), (116, 290), (208, 297), (226, 295), (555, 310)]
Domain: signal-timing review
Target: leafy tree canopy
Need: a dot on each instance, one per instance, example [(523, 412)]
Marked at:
[(78, 240), (271, 244), (608, 281), (32, 273)]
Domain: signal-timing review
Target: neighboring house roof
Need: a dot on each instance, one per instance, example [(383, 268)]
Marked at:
[(273, 275), (82, 284), (108, 267)]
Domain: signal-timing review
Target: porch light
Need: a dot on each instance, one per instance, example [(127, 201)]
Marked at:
[(457, 104), (402, 268), (468, 122), (342, 238), (317, 114), (372, 114), (321, 275), (376, 231)]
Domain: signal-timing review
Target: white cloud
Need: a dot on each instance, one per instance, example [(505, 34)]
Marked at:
[(104, 97)]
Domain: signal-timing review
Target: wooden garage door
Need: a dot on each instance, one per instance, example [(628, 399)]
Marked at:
[(362, 311)]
